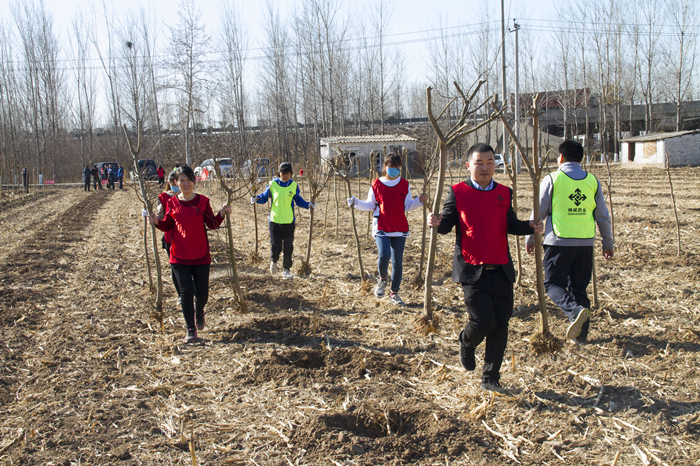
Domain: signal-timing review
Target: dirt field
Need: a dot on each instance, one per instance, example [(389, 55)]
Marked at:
[(321, 373)]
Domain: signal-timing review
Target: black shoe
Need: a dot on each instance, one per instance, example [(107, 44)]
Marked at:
[(493, 386), (191, 336), (466, 355)]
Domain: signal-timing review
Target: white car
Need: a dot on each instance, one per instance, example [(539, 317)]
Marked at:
[(225, 165), (500, 163)]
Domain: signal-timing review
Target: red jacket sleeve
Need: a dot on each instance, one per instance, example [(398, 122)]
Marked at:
[(168, 222), (212, 221)]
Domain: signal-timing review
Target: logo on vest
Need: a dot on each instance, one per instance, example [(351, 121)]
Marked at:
[(500, 200), (578, 197)]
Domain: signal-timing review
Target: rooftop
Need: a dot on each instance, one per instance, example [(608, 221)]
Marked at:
[(362, 139), (659, 136)]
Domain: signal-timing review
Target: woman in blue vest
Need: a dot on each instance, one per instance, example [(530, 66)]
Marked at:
[(283, 192), (389, 198)]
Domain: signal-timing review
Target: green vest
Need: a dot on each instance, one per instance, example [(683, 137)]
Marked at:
[(281, 208), (573, 203)]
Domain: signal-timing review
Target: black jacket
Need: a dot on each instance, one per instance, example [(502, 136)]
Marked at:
[(468, 273)]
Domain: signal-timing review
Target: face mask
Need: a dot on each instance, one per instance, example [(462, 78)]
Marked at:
[(175, 189), (393, 172)]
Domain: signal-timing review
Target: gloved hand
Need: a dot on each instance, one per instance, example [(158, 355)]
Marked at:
[(252, 200), (312, 206), (144, 212), (351, 201)]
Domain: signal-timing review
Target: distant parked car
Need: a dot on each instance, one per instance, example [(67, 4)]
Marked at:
[(500, 162), (261, 167), (225, 165), (149, 169)]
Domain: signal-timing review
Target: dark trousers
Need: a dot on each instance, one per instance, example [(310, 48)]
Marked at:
[(567, 273), (282, 239), (489, 304), (87, 184), (161, 181), (95, 183), (193, 281), (390, 247), (166, 246), (121, 183)]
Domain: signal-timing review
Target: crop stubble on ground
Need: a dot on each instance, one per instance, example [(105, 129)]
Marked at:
[(319, 373)]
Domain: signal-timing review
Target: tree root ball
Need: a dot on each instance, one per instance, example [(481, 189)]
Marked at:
[(545, 343), (304, 270), (426, 326), (253, 258)]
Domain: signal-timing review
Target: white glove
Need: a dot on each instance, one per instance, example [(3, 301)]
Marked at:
[(313, 206), (351, 201), (144, 212), (252, 200)]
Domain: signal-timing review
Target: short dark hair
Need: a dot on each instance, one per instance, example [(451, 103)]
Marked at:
[(392, 160), (285, 167), (571, 150), (172, 176), (479, 147), (187, 171)]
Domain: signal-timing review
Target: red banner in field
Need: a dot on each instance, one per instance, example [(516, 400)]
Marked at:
[(104, 181), (48, 181)]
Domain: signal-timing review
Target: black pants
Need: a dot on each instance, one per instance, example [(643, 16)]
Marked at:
[(121, 183), (161, 181), (489, 305), (95, 182), (193, 281), (282, 239), (87, 184), (166, 246), (567, 273)]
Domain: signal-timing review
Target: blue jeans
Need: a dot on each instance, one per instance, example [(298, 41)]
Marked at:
[(391, 247)]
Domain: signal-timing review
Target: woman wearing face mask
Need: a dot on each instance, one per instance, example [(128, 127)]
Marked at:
[(163, 199), (188, 216), (390, 198)]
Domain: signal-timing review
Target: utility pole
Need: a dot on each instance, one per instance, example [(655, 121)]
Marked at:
[(518, 160), (504, 135)]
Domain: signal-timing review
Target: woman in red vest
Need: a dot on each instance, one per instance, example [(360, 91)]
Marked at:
[(161, 175), (187, 216), (390, 198)]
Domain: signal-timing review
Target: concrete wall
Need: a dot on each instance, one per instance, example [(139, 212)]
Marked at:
[(362, 151)]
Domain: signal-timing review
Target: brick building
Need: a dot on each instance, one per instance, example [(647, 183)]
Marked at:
[(683, 148)]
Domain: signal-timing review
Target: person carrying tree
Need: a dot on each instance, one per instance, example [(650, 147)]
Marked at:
[(573, 203), (187, 216), (389, 198), (167, 241), (86, 177), (482, 212), (282, 192)]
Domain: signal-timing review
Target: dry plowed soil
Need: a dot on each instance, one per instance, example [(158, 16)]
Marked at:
[(319, 371)]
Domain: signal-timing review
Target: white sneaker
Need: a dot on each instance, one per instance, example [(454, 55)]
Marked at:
[(396, 300), (379, 290), (576, 326), (273, 267), (287, 274)]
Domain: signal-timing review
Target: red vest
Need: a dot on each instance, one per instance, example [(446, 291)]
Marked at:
[(483, 223), (392, 215), (189, 240), (164, 198)]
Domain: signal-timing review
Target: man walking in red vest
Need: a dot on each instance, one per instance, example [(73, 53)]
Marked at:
[(482, 211)]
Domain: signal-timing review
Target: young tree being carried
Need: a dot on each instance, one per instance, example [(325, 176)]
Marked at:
[(428, 323), (389, 197), (317, 182)]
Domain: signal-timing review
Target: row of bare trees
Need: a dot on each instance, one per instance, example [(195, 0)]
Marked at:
[(319, 70)]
